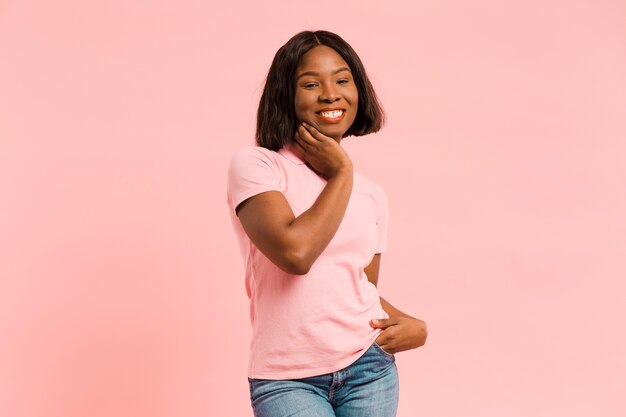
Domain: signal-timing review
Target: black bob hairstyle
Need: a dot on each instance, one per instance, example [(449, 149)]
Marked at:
[(276, 117)]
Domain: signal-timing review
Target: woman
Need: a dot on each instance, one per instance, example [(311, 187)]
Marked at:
[(311, 232)]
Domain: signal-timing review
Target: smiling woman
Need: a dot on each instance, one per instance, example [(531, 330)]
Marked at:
[(276, 118), (311, 232), (326, 96)]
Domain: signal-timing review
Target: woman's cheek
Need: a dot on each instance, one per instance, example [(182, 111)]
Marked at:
[(300, 115), (306, 117)]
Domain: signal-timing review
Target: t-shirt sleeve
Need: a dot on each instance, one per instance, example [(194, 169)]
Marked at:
[(252, 171), (382, 209)]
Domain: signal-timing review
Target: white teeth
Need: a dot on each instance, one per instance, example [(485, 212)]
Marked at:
[(332, 114)]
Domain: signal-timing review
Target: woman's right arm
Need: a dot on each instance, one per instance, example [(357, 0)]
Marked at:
[(294, 243)]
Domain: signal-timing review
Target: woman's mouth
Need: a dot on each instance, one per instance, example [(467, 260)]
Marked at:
[(331, 116)]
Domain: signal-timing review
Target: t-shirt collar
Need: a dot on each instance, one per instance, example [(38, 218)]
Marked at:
[(292, 154)]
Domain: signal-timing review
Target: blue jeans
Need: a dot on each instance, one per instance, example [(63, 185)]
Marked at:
[(367, 388)]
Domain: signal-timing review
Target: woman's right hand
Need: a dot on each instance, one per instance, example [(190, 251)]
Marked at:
[(323, 153)]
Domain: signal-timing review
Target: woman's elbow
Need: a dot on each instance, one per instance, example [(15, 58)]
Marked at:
[(423, 333), (296, 263)]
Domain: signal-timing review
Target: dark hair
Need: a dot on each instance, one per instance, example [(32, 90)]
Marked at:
[(276, 116)]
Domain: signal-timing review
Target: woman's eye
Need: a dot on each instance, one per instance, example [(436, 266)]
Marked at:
[(343, 81), (310, 85)]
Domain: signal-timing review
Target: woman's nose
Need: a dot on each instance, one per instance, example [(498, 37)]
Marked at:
[(329, 94)]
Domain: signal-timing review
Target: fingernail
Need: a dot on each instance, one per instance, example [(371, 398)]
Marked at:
[(376, 321)]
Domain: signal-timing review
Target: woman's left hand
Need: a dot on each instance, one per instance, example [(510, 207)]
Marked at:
[(400, 333)]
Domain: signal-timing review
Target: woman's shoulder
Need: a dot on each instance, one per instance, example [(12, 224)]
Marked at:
[(371, 189), (252, 170), (252, 156), (366, 183), (253, 151)]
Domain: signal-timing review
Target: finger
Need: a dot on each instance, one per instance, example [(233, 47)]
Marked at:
[(387, 349), (382, 323), (306, 136), (302, 145), (316, 134), (299, 147), (384, 341), (298, 137)]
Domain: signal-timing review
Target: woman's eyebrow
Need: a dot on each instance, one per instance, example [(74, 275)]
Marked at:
[(316, 74)]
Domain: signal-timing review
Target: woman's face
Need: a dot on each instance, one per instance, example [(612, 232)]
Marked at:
[(326, 96)]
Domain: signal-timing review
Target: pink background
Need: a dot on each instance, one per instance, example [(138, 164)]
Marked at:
[(121, 285)]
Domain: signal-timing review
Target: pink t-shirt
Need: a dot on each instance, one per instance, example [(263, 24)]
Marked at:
[(313, 324)]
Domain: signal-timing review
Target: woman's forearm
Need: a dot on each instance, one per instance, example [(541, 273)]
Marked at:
[(294, 243), (313, 230), (392, 311)]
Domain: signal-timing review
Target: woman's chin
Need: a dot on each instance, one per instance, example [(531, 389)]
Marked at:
[(335, 133), (330, 130)]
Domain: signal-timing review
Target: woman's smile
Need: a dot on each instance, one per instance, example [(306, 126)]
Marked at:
[(331, 116)]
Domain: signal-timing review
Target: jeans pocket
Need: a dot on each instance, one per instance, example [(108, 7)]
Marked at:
[(383, 351)]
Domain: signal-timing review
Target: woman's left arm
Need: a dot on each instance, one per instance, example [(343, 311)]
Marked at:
[(400, 331)]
